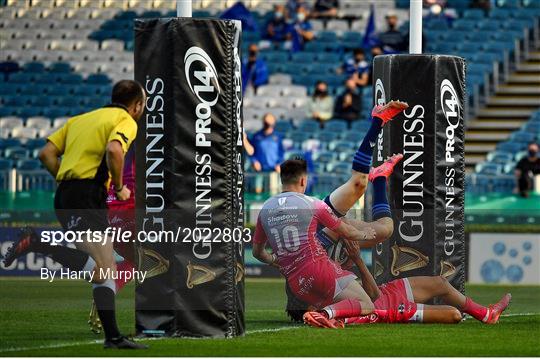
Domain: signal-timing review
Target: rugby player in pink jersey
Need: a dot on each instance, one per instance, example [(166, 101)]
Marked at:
[(288, 222), (402, 300)]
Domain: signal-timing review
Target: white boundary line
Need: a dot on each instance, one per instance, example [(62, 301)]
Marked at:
[(248, 332)]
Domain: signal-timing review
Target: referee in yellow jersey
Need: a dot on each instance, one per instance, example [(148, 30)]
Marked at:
[(85, 156)]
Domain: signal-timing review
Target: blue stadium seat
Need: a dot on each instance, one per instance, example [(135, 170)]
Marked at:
[(68, 78), (293, 68), (341, 146), (512, 147), (343, 168), (325, 156), (459, 4), (361, 125), (152, 14), (490, 25), (8, 111), (60, 67), (28, 165), (532, 127), (487, 168), (21, 78), (274, 56), (329, 57), (500, 157), (500, 13), (54, 112), (523, 137), (324, 68), (15, 100), (98, 79), (9, 142), (34, 89), (34, 67), (480, 36), (352, 36), (16, 153), (294, 154), (315, 47), (327, 136), (69, 101), (5, 164), (283, 126), (465, 24), (355, 136), (126, 15), (7, 89), (303, 57), (436, 24), (30, 111), (336, 126), (473, 14), (308, 125), (326, 36), (512, 4), (34, 143)]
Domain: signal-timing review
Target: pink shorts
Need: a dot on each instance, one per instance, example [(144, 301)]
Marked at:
[(397, 298), (318, 283)]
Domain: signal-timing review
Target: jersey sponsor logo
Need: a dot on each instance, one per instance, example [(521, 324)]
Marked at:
[(282, 200)]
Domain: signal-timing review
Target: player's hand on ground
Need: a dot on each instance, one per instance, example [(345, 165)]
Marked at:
[(123, 194)]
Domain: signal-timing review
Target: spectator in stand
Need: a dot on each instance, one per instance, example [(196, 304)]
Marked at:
[(392, 40), (301, 30), (267, 146), (276, 29), (481, 4), (349, 102), (320, 105), (357, 67), (526, 169), (254, 70), (293, 5), (325, 9)]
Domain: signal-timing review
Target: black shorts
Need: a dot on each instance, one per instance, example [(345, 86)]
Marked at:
[(81, 205)]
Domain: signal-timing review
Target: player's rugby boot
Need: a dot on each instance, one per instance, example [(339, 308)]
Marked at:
[(123, 342), (386, 169), (28, 242), (495, 310), (93, 320), (319, 320), (388, 111)]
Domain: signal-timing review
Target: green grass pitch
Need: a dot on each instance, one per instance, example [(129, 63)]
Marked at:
[(49, 319)]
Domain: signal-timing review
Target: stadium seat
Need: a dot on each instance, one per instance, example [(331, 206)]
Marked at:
[(60, 67), (98, 79), (308, 126), (5, 164), (523, 137), (342, 168), (473, 14), (336, 126), (28, 164), (16, 153)]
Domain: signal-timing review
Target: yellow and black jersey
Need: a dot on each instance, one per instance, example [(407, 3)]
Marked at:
[(83, 141)]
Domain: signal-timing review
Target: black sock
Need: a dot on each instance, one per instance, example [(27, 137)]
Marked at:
[(68, 257), (104, 299)]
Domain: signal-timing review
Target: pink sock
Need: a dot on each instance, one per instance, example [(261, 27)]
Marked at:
[(478, 311), (123, 266), (344, 309)]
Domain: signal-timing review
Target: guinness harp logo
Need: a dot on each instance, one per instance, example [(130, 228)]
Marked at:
[(151, 262), (405, 259), (198, 274), (379, 269), (447, 269), (239, 275)]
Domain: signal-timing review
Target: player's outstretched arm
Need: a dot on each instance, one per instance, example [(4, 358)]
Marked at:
[(368, 282), (354, 234)]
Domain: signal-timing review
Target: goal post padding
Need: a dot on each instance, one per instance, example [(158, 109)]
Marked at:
[(426, 190), (189, 178)]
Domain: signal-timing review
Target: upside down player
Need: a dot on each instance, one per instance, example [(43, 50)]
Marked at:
[(344, 197), (290, 220), (401, 300)]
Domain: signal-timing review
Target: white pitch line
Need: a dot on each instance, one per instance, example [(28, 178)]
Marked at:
[(248, 332)]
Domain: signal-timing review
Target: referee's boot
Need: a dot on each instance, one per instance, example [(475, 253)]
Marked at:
[(28, 242), (122, 342)]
